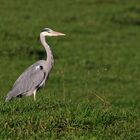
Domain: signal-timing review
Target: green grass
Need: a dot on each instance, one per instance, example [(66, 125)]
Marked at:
[(93, 90)]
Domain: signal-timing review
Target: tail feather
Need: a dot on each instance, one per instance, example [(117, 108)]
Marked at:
[(12, 94), (8, 97)]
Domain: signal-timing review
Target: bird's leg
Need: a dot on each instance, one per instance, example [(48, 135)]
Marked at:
[(34, 95)]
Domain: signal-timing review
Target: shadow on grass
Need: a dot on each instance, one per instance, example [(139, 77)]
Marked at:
[(130, 16)]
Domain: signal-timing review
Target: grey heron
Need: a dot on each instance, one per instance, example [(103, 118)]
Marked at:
[(34, 76)]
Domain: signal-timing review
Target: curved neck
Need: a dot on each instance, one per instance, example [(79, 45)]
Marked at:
[(47, 49)]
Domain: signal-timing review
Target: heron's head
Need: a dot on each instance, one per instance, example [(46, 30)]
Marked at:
[(50, 32)]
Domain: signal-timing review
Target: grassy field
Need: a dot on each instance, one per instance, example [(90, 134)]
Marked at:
[(93, 92)]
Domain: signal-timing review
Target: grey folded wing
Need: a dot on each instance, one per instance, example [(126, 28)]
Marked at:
[(30, 80)]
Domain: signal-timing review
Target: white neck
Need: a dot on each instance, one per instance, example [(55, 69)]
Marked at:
[(49, 59)]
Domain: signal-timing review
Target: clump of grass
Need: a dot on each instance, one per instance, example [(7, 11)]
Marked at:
[(131, 16)]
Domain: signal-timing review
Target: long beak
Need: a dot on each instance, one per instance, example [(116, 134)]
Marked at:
[(53, 33)]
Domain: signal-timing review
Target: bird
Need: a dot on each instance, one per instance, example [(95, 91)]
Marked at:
[(35, 76)]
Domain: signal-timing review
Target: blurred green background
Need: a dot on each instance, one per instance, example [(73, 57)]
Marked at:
[(94, 88)]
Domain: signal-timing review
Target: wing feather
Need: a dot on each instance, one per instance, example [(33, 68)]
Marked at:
[(29, 80)]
